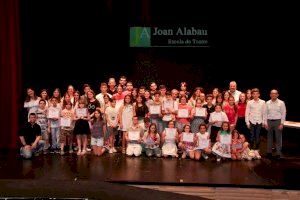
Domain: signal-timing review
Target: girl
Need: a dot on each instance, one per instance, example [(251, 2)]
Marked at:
[(31, 102), (226, 96), (66, 131), (169, 140), (248, 95), (197, 92), (53, 123), (119, 97), (155, 112), (222, 147), (151, 140), (184, 113), (70, 92), (57, 95), (215, 93), (93, 103), (76, 99), (187, 142), (198, 116), (231, 111), (126, 112), (141, 110), (111, 116), (148, 100), (203, 147), (183, 87), (241, 110), (81, 129), (236, 146), (97, 132), (246, 152), (216, 119), (134, 94), (44, 95), (42, 120), (219, 100)]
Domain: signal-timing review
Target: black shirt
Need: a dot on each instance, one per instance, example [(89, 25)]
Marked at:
[(30, 132), (209, 110), (91, 106)]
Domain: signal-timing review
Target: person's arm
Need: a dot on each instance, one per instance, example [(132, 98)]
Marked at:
[(120, 116), (22, 139), (283, 115), (247, 115), (37, 139), (163, 136)]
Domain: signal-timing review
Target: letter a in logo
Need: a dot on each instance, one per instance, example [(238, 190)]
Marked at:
[(140, 37)]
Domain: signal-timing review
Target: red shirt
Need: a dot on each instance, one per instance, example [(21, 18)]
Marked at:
[(241, 109), (184, 120), (230, 112)]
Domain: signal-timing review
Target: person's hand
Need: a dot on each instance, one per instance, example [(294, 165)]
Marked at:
[(248, 126), (27, 147), (266, 126), (280, 127), (33, 146)]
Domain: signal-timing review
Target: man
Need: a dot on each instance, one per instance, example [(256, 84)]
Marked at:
[(112, 86), (254, 117), (86, 88), (153, 88), (30, 137), (275, 117), (122, 82), (233, 91), (103, 89)]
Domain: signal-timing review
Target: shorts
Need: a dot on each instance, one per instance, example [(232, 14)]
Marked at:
[(112, 130), (97, 142), (64, 134)]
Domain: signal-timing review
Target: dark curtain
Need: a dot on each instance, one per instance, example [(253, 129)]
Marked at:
[(10, 74)]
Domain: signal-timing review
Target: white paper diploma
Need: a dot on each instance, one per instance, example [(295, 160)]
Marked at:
[(200, 112), (168, 105), (133, 135), (170, 133), (237, 146), (65, 121), (81, 112), (188, 137), (53, 113), (217, 117), (203, 143), (225, 139), (183, 113), (155, 109)]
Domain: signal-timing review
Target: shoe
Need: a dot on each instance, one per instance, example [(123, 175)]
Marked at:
[(218, 159), (83, 152), (62, 153), (123, 151), (111, 151), (114, 150), (88, 149), (183, 155), (78, 152), (205, 156), (71, 151), (36, 154)]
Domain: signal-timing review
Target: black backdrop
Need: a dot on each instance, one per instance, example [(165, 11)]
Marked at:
[(68, 42)]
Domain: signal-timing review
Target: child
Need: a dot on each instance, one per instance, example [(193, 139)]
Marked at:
[(246, 152), (236, 146), (183, 114), (203, 146), (155, 112), (169, 109), (66, 124), (133, 137), (97, 132), (53, 123), (222, 147), (111, 114), (42, 120), (198, 116), (152, 140), (215, 120), (187, 142), (231, 111), (170, 138), (81, 129)]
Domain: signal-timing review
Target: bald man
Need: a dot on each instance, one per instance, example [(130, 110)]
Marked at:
[(233, 91)]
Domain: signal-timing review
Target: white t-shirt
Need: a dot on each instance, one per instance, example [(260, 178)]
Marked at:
[(112, 114), (99, 97)]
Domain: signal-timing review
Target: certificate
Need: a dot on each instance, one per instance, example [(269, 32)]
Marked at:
[(225, 139), (188, 137), (65, 121), (81, 112), (200, 112), (167, 117), (170, 133), (168, 105), (203, 143), (134, 135), (217, 117), (237, 146), (155, 109), (183, 113), (53, 113)]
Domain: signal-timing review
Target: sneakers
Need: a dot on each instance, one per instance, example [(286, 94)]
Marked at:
[(62, 153), (71, 151), (111, 150), (205, 156), (218, 159), (83, 152), (114, 150), (88, 149), (123, 151), (78, 152)]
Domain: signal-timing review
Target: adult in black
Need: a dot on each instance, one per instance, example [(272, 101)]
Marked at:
[(30, 137)]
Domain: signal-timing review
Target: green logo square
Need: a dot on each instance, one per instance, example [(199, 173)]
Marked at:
[(140, 37)]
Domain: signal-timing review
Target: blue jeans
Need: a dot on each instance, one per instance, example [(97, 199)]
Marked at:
[(55, 137), (28, 153), (255, 135)]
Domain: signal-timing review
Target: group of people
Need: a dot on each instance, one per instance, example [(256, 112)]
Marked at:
[(155, 121)]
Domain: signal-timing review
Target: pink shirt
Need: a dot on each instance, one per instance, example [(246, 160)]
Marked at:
[(184, 120)]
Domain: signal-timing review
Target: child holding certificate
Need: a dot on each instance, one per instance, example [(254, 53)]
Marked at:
[(155, 112), (66, 125), (184, 113), (53, 123), (111, 114), (151, 140), (169, 109), (216, 119), (97, 133), (82, 128), (203, 147), (246, 153), (222, 148), (236, 146), (133, 137), (187, 142), (198, 116), (169, 139)]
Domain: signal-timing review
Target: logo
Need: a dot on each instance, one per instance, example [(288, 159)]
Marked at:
[(140, 37)]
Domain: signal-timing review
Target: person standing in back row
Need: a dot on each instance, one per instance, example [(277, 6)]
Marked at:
[(275, 117)]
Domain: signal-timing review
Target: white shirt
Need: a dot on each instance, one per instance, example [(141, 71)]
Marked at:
[(112, 114), (276, 110), (255, 111), (236, 95), (220, 117), (99, 97)]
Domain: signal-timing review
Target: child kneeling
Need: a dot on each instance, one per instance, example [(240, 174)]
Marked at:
[(134, 137), (152, 140)]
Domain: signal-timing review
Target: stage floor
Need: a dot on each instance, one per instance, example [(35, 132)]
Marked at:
[(118, 168)]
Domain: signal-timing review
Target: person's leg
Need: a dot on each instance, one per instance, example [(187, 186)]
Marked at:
[(197, 155), (252, 129), (270, 137), (129, 150), (257, 135), (157, 152), (137, 150), (25, 153), (62, 139), (123, 142), (79, 144), (53, 137), (57, 132), (149, 152), (84, 146), (192, 154), (278, 135)]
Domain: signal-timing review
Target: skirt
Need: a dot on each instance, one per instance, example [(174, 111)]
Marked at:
[(82, 127)]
